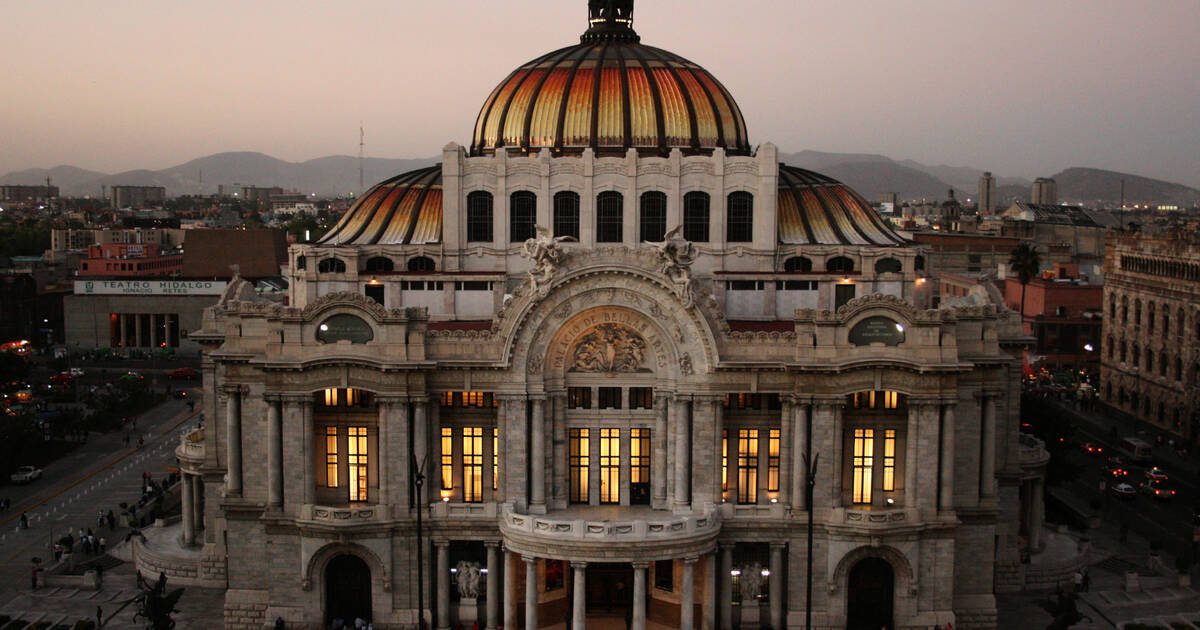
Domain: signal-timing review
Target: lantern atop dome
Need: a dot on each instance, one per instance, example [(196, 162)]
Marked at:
[(610, 19)]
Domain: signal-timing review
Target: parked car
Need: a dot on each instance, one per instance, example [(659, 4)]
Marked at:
[(1124, 491), (75, 371), (1157, 489), (179, 394), (184, 373), (1091, 448), (25, 474)]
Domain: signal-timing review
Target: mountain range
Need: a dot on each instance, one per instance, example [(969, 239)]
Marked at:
[(870, 174)]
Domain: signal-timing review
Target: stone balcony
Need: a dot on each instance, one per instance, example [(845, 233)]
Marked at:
[(610, 533), (191, 451), (343, 515), (1032, 456)]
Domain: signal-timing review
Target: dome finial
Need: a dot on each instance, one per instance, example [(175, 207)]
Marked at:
[(610, 19)]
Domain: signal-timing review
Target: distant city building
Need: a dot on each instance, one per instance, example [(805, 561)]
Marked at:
[(138, 196), (1067, 233), (27, 193), (258, 193), (1063, 313), (83, 238), (965, 254), (987, 194), (1045, 191), (1150, 368), (130, 260)]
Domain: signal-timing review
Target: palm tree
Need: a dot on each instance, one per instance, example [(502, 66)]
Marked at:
[(1025, 261)]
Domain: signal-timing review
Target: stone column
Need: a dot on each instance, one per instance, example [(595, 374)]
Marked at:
[(775, 585), (786, 419), (124, 319), (559, 491), (189, 518), (421, 449), (168, 326), (493, 584), (988, 457), (382, 453), (513, 453), (708, 609), (137, 329), (703, 452), (309, 438), (718, 430), (911, 465), (274, 453), (579, 596), (725, 597), (537, 458), (153, 330), (658, 461), (197, 503), (1038, 509), (799, 480), (531, 593), (510, 589), (233, 433), (682, 435), (687, 605), (946, 497), (639, 596), (443, 584)]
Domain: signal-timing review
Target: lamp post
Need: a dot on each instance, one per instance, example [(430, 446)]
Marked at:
[(810, 469), (419, 480)]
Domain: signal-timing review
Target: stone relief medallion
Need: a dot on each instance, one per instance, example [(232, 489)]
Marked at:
[(609, 348)]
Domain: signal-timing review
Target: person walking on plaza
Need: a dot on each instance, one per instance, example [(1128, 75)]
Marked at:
[(24, 521), (99, 616)]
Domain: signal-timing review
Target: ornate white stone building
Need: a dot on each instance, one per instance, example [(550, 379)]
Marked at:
[(608, 335)]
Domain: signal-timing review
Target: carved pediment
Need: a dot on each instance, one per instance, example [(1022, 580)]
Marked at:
[(609, 348)]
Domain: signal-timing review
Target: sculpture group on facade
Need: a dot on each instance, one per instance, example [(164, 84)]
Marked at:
[(675, 257), (610, 348), (543, 251)]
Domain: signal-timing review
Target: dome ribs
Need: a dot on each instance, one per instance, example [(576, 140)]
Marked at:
[(379, 220), (790, 177), (512, 93), (595, 121), (626, 113), (559, 135), (419, 206), (693, 139), (537, 93), (660, 126)]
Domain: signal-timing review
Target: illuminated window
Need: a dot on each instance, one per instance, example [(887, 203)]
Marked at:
[(864, 459), (495, 457), (610, 465), (773, 460), (579, 461), (447, 458), (889, 460), (342, 397), (331, 457), (747, 465), (891, 400), (472, 454), (724, 460), (639, 466), (356, 451)]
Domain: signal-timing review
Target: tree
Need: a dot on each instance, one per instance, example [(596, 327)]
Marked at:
[(1025, 261)]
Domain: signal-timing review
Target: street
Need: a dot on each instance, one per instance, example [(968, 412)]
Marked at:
[(95, 478)]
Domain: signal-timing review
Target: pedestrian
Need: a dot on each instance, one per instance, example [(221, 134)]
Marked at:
[(33, 575), (24, 521), (1078, 581), (1087, 580), (103, 545), (99, 616), (112, 520), (279, 624)]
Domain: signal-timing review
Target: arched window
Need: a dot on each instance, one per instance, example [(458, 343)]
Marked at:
[(1149, 361), (380, 263), (1124, 309), (839, 264), (739, 218), (1137, 312), (331, 265), (610, 212), (522, 216), (301, 262), (887, 265), (1112, 307), (1150, 317), (1178, 369), (652, 224), (566, 214), (695, 217), (479, 217), (1137, 354), (1111, 348), (919, 263), (1179, 324), (797, 263), (1123, 351), (1164, 362), (421, 263), (1166, 323)]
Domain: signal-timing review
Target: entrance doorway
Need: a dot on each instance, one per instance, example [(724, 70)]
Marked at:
[(347, 590), (609, 589), (869, 595)]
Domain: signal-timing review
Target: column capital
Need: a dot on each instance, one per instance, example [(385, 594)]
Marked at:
[(273, 397), (578, 564), (441, 543), (778, 545), (641, 564), (726, 546), (492, 544), (229, 390), (295, 399), (800, 400), (682, 398), (529, 560), (691, 560), (392, 399)]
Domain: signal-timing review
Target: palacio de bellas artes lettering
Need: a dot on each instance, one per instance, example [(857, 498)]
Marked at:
[(619, 338)]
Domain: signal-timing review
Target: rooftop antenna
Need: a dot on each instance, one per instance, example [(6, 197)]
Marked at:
[(362, 145)]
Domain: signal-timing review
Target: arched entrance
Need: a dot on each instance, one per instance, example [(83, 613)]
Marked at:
[(347, 589), (869, 596)]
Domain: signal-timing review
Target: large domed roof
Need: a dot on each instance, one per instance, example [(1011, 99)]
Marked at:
[(402, 210), (610, 93), (819, 210)]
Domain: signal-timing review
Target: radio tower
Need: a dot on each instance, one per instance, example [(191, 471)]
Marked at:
[(362, 145)]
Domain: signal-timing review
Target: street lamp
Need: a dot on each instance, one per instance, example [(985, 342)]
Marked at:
[(810, 469)]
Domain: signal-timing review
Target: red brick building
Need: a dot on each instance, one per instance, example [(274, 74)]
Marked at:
[(125, 260), (1063, 313)]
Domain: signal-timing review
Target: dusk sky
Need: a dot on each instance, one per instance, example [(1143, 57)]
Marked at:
[(1022, 88)]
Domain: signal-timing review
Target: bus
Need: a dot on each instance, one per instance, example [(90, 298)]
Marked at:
[(1137, 450)]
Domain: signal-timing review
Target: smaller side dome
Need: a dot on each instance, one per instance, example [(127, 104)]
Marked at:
[(406, 209), (819, 210)]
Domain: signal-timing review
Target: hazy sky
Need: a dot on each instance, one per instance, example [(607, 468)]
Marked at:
[(1020, 87)]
